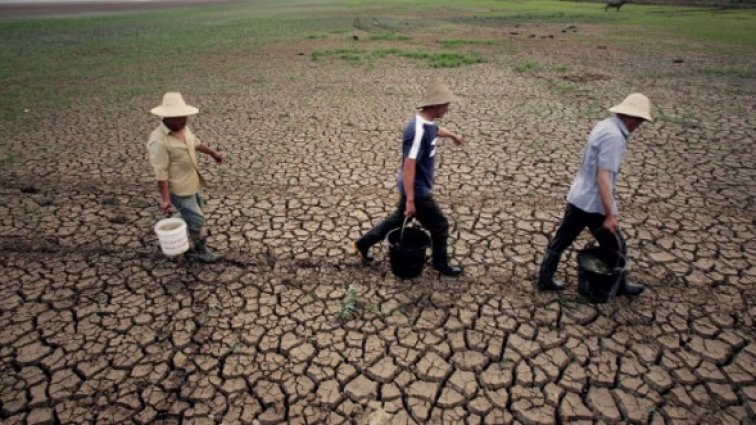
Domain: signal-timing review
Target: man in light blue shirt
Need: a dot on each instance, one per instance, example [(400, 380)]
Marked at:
[(590, 202)]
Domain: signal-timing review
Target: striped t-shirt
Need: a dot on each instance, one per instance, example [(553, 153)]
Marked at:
[(419, 143)]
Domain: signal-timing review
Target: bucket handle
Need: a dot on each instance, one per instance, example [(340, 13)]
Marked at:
[(401, 235), (619, 245)]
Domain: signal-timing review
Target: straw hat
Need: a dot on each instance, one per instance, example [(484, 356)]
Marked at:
[(634, 105), (437, 93), (173, 106)]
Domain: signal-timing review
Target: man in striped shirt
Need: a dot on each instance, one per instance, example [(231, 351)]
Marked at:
[(415, 180)]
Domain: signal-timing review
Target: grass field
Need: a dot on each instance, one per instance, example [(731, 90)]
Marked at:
[(49, 62)]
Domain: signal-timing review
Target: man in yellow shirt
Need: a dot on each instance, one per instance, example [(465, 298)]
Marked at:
[(173, 154)]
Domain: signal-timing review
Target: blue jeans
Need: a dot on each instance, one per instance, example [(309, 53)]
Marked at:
[(190, 208)]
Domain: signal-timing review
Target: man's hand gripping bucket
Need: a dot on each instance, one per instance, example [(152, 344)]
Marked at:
[(173, 236)]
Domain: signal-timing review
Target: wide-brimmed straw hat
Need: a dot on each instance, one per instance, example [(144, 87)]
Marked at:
[(437, 93), (634, 105), (173, 106)]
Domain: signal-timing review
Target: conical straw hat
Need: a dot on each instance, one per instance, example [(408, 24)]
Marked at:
[(634, 105), (437, 93), (173, 106)]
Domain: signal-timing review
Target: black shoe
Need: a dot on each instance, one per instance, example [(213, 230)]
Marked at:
[(447, 270), (549, 285), (364, 254), (548, 267), (629, 288)]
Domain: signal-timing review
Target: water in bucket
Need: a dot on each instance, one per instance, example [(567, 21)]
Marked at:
[(173, 236), (599, 274)]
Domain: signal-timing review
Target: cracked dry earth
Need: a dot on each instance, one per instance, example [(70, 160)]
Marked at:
[(96, 326)]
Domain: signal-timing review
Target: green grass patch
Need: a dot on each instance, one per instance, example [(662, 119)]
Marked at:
[(382, 53), (453, 60), (561, 69), (388, 36), (352, 57), (434, 59), (527, 67), (456, 42)]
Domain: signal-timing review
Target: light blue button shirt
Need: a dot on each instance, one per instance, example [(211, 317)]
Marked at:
[(605, 150)]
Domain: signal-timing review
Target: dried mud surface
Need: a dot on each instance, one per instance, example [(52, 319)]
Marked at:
[(96, 326)]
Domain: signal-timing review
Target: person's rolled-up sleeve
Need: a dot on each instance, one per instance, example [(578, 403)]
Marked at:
[(159, 159)]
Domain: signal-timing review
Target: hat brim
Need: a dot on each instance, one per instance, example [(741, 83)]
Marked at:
[(441, 100), (632, 112), (172, 112)]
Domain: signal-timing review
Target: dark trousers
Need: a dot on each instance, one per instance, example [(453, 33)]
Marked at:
[(429, 216), (574, 221)]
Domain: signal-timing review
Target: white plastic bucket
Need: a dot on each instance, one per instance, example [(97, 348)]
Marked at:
[(173, 236)]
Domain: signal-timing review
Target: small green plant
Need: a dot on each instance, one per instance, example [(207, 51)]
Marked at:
[(527, 67), (10, 159), (215, 307), (349, 304), (560, 69), (352, 57)]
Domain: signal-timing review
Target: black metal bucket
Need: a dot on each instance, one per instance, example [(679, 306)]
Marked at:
[(599, 286), (407, 250)]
